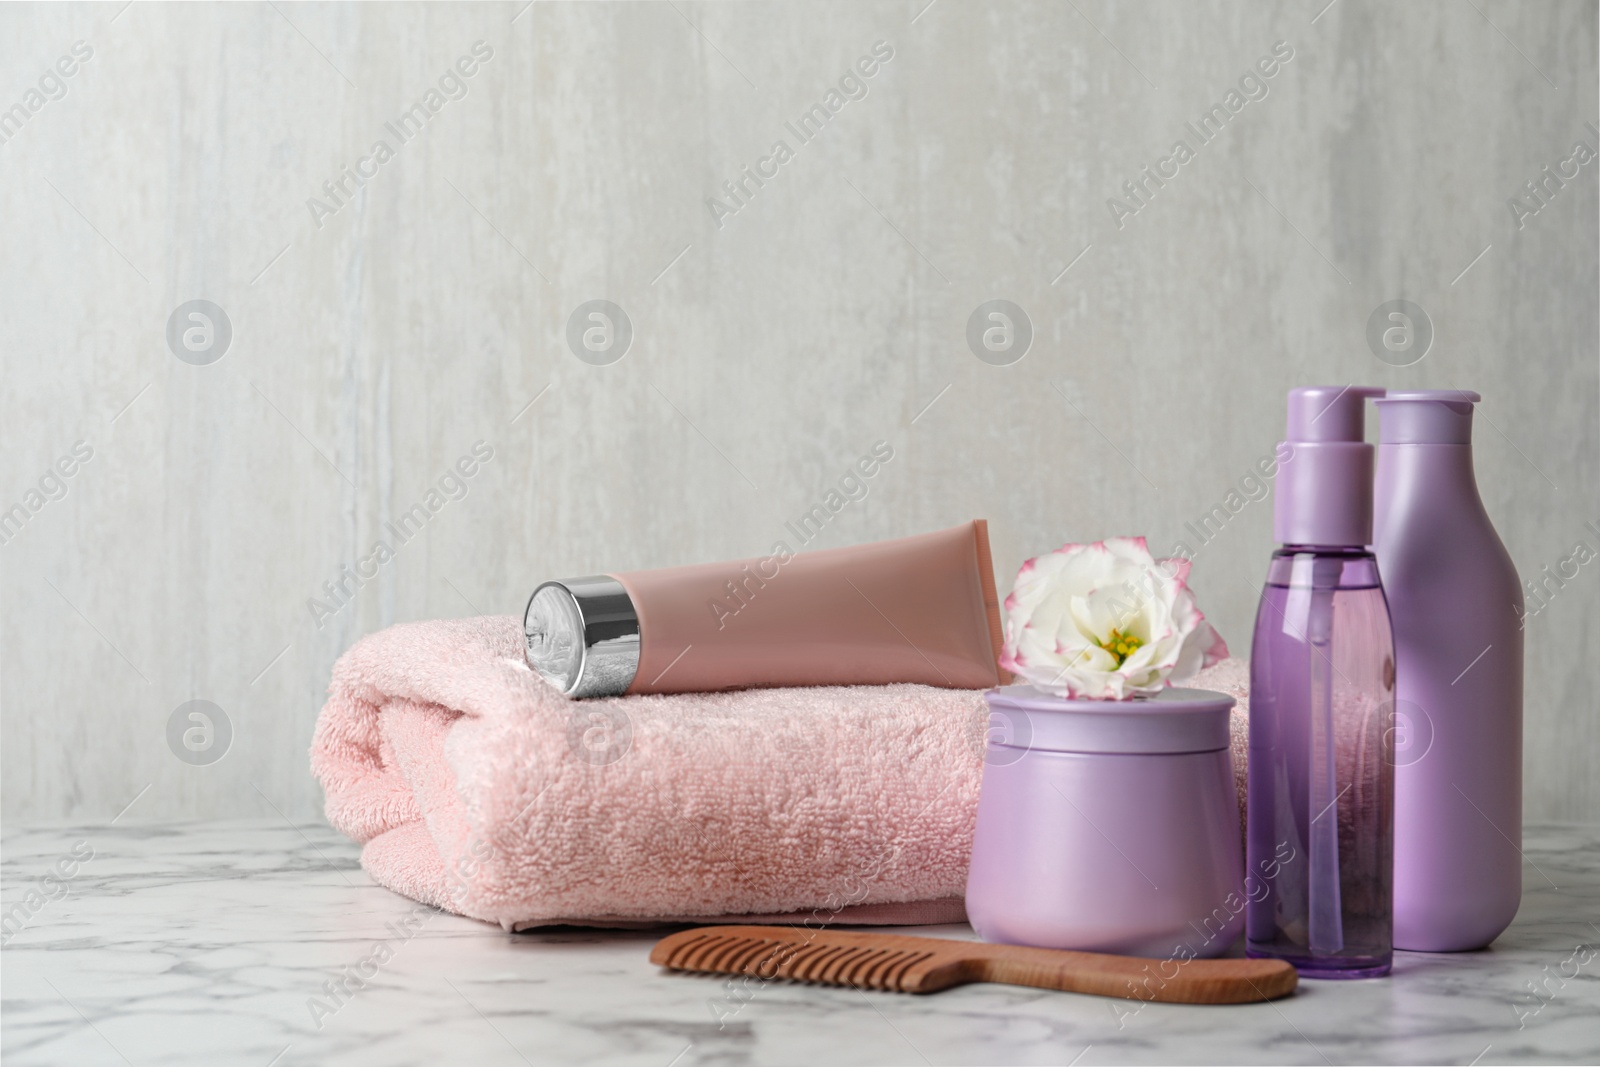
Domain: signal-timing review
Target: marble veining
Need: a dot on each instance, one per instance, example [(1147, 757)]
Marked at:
[(212, 943)]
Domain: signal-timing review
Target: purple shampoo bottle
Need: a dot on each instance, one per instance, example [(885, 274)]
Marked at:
[(1320, 814), (1457, 606)]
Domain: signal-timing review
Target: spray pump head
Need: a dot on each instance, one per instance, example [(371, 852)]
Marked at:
[(1324, 493)]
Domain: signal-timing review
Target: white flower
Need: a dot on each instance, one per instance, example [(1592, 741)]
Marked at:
[(1106, 621)]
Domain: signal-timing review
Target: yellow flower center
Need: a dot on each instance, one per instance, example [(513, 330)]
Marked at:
[(1121, 645)]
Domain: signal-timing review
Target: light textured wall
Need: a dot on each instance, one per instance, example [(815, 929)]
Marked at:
[(769, 351)]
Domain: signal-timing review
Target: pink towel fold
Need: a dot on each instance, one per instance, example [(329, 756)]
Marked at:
[(475, 787)]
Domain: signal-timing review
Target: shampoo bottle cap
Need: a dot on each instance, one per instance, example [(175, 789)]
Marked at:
[(1324, 494), (1427, 417)]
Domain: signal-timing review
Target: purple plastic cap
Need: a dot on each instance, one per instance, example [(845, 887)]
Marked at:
[(1427, 417), (1324, 494)]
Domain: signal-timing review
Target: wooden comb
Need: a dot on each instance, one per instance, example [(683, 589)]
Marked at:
[(928, 964)]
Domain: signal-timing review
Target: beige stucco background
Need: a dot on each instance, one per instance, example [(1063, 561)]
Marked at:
[(370, 352)]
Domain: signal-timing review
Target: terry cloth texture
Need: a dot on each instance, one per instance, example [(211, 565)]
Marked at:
[(475, 787)]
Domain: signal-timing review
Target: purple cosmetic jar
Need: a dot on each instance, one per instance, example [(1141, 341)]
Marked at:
[(1108, 825)]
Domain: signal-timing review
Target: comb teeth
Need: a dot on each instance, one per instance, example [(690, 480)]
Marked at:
[(907, 964), (830, 964)]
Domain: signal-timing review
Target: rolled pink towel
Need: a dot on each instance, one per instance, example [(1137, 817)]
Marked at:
[(475, 787)]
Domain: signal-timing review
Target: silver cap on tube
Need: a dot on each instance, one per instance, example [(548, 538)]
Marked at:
[(583, 635)]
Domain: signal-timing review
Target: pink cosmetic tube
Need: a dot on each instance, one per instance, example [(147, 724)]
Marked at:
[(916, 609)]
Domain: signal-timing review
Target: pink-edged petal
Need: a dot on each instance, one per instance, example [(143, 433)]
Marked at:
[(1136, 548)]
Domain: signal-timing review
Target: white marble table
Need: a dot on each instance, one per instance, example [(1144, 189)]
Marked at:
[(207, 944)]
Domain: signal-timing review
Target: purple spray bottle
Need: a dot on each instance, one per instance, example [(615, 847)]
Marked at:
[(1320, 814), (1456, 605)]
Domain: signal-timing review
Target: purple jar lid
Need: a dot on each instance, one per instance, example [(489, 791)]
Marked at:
[(1173, 721)]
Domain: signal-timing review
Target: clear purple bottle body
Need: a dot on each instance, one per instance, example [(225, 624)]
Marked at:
[(1320, 822)]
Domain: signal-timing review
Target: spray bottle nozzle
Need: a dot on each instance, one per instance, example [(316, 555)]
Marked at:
[(1329, 412), (1324, 494)]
